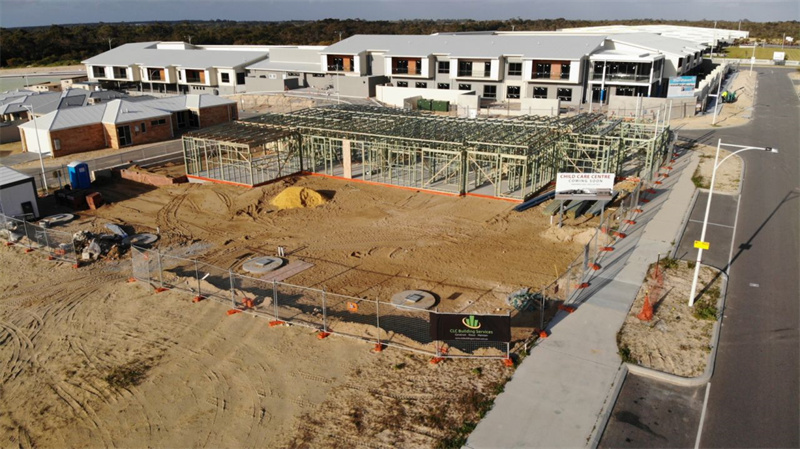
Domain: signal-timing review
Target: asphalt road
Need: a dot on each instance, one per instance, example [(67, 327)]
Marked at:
[(719, 233), (754, 399)]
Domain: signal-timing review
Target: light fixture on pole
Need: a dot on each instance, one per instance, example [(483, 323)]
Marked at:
[(29, 107), (708, 206)]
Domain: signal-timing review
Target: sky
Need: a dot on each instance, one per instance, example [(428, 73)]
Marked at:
[(16, 13)]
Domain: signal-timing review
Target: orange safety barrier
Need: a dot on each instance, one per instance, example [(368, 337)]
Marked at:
[(647, 310), (321, 334), (233, 312)]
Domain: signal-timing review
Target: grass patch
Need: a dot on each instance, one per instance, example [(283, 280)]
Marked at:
[(130, 374), (706, 307), (623, 350), (792, 54), (476, 405), (699, 181), (668, 263)]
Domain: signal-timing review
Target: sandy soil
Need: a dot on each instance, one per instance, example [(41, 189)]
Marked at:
[(728, 174), (731, 114), (89, 360), (212, 381), (171, 169), (10, 148), (675, 341)]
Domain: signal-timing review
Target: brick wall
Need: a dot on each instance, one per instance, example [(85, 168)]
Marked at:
[(218, 114), (157, 133), (76, 140)]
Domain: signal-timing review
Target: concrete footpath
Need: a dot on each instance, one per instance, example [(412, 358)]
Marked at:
[(561, 394)]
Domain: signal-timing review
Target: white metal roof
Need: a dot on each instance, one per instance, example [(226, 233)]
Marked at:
[(656, 42), (121, 111), (150, 55), (288, 66), (9, 176), (549, 46), (698, 35)]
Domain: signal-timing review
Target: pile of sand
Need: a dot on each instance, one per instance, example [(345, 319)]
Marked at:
[(296, 197)]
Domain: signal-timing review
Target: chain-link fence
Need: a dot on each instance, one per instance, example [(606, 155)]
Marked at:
[(371, 320), (57, 245)]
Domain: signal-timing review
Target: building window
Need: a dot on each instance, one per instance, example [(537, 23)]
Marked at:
[(316, 75), (564, 94), (487, 69), (421, 85), (565, 70), (273, 76), (121, 73), (464, 68), (180, 75), (514, 69), (444, 67), (443, 86), (195, 76), (225, 77), (158, 122), (539, 92), (625, 91), (57, 144), (465, 87), (292, 74), (490, 92), (99, 72), (512, 92), (542, 70), (144, 127), (402, 84)]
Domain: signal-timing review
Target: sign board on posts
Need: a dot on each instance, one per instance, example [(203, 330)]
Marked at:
[(454, 326), (681, 86), (584, 186), (778, 55)]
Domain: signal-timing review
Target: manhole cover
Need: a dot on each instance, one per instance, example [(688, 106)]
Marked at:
[(264, 264), (417, 299), (142, 239), (57, 219)]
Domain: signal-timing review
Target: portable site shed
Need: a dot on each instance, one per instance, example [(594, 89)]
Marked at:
[(17, 194)]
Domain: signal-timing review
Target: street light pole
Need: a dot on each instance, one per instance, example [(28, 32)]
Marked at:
[(29, 107), (716, 100), (753, 58), (708, 206)]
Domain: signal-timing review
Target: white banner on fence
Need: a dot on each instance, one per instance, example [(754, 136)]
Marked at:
[(584, 186)]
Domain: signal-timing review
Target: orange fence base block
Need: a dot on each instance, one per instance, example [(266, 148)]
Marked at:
[(630, 222), (508, 362), (638, 210), (583, 285), (9, 243), (131, 280), (378, 347), (161, 289), (645, 200), (76, 265), (28, 250), (233, 312), (565, 308), (198, 298), (436, 360), (51, 258), (606, 249), (543, 334), (274, 323), (658, 182), (321, 335), (666, 175)]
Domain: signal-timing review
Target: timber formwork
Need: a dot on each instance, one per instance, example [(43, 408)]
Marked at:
[(502, 158)]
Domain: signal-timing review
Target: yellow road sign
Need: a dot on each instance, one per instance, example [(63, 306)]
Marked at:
[(701, 245)]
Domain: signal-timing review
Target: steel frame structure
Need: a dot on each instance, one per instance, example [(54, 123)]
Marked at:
[(503, 158)]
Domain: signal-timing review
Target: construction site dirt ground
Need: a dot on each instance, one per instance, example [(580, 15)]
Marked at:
[(89, 360)]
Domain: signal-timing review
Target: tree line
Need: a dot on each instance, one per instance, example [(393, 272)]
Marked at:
[(69, 44)]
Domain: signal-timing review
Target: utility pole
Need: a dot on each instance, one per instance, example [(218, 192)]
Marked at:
[(109, 43)]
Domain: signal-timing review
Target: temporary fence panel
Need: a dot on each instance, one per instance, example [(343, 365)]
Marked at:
[(354, 317), (253, 294), (213, 282), (406, 327), (179, 273), (140, 259), (62, 246), (300, 305)]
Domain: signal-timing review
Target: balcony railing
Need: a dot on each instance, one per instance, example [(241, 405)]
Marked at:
[(191, 79), (340, 68), (629, 77), (538, 75), (472, 74), (406, 71)]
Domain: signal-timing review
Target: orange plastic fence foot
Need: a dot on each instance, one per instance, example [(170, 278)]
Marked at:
[(233, 312), (28, 250), (594, 266), (630, 222), (161, 289), (565, 308), (198, 298), (274, 323), (658, 182), (607, 249), (543, 334), (9, 243), (50, 258), (508, 362), (621, 235), (583, 285), (378, 347), (76, 265), (666, 175), (131, 280), (645, 200), (651, 191), (321, 334), (672, 161), (436, 360), (638, 210)]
